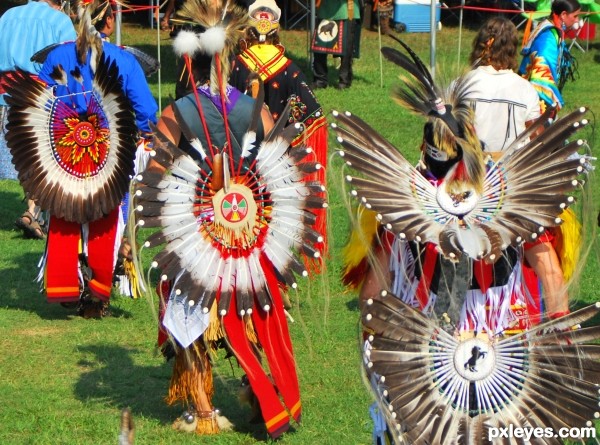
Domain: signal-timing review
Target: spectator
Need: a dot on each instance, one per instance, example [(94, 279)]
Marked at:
[(34, 26), (547, 62), (505, 105), (338, 33), (182, 84)]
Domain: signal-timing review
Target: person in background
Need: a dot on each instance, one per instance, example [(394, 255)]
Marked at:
[(547, 62), (505, 105), (338, 33), (385, 15), (263, 57), (78, 60), (34, 26), (165, 21)]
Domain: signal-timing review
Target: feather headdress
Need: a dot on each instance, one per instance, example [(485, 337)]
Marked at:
[(450, 132), (88, 14), (219, 25)]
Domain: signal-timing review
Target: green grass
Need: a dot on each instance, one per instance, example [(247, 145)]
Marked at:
[(64, 380)]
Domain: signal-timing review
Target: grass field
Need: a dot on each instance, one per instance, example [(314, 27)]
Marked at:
[(64, 380)]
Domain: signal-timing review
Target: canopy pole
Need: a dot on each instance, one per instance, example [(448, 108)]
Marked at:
[(313, 23), (380, 54), (432, 34), (119, 17), (460, 23), (158, 55)]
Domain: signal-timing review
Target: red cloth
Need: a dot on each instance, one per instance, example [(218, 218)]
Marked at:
[(422, 292), (273, 335), (62, 276), (62, 252), (101, 253)]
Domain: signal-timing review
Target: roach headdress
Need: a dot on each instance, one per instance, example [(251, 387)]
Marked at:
[(216, 28), (449, 135), (89, 13)]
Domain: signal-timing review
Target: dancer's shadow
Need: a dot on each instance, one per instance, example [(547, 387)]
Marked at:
[(20, 264), (114, 378), (22, 291)]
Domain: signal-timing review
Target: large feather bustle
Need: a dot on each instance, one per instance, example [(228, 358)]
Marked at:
[(522, 194), (205, 262), (32, 120), (429, 392), (224, 23)]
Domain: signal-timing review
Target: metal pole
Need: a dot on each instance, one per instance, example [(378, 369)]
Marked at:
[(118, 25), (313, 20), (432, 33), (380, 54), (460, 23), (159, 61)]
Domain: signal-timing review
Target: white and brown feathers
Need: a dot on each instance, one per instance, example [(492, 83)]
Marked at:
[(518, 197), (448, 111), (435, 389), (127, 430), (47, 173), (207, 258)]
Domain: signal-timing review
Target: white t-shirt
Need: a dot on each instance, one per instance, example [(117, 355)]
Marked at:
[(503, 101)]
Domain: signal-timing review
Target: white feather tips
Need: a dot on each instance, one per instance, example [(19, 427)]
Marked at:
[(186, 43)]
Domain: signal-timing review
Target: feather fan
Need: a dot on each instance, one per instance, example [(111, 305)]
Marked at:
[(216, 237), (76, 166), (517, 201), (434, 388)]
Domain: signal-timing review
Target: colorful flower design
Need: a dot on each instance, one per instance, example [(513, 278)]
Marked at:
[(80, 143)]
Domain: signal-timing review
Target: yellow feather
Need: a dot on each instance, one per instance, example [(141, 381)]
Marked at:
[(361, 240), (568, 242)]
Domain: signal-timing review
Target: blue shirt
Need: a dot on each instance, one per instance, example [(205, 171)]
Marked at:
[(24, 30), (135, 86)]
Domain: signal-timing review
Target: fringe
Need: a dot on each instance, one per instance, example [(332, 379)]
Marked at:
[(214, 331), (192, 373), (207, 425), (501, 309), (250, 332), (129, 284)]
